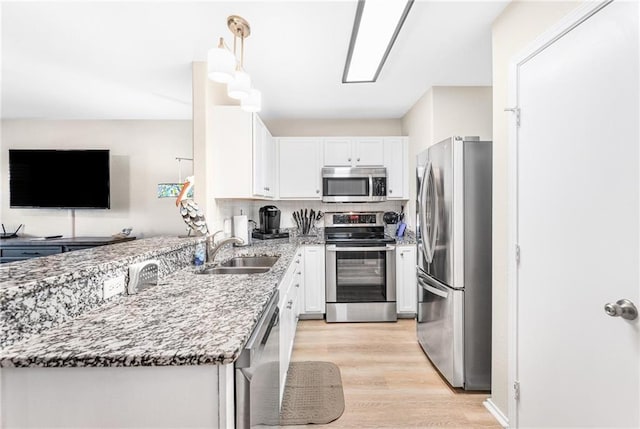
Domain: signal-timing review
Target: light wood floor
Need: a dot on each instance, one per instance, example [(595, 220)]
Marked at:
[(388, 381)]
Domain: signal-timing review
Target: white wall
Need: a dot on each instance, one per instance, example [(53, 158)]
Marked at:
[(519, 24), (333, 127), (444, 111), (142, 155)]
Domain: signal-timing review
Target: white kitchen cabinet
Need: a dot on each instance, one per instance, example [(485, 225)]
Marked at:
[(263, 160), (289, 303), (353, 151), (406, 281), (241, 155), (396, 159), (314, 280), (299, 165)]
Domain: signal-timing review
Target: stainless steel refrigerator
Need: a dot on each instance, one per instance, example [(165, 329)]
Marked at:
[(454, 259)]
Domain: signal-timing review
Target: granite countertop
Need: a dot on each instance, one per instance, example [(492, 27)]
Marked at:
[(32, 274), (187, 319), (409, 238)]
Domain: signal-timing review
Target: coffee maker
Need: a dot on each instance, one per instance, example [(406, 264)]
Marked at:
[(269, 224)]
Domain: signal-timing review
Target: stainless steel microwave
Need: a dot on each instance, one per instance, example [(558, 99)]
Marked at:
[(354, 184)]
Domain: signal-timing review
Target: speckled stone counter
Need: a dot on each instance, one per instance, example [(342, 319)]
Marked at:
[(409, 238), (187, 319), (38, 294)]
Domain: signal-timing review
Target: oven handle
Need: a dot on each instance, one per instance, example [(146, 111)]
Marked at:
[(387, 248)]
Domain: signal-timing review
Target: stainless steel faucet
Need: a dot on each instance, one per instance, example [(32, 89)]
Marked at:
[(214, 248)]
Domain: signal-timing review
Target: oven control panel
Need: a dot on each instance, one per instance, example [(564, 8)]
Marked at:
[(353, 219)]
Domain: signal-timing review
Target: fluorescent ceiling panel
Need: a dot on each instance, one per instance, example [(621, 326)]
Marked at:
[(375, 28)]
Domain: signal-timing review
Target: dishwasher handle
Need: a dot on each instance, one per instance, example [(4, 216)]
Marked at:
[(255, 344), (275, 319)]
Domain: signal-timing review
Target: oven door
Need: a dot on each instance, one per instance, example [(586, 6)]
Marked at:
[(358, 274)]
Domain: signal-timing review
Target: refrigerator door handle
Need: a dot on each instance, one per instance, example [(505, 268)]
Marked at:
[(422, 210), (436, 214), (433, 290)]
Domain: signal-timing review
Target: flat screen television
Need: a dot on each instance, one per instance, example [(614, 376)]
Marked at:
[(74, 179)]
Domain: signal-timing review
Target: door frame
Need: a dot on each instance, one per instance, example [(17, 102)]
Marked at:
[(546, 39)]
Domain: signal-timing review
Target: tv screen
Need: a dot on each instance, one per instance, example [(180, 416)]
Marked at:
[(59, 178)]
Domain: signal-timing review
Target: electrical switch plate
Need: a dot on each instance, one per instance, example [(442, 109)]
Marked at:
[(113, 287)]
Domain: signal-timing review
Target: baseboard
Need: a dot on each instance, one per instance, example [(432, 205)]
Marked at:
[(406, 315), (311, 316), (496, 413)]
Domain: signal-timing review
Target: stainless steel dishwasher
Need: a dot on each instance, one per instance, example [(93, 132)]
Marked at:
[(257, 372)]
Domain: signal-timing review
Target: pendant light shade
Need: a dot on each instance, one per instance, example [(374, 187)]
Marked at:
[(240, 86), (253, 103), (225, 66), (221, 64)]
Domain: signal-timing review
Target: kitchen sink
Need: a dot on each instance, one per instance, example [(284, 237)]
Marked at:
[(243, 265), (234, 270), (251, 261)]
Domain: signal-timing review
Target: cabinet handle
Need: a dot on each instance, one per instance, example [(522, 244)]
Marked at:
[(290, 303), (349, 159), (297, 284), (299, 255), (391, 191), (317, 191), (267, 188), (298, 261), (30, 253), (299, 272), (358, 159)]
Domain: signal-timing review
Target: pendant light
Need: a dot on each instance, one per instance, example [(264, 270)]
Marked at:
[(221, 64), (253, 103), (227, 67)]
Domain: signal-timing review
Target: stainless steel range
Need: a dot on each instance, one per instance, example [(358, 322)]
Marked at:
[(360, 268)]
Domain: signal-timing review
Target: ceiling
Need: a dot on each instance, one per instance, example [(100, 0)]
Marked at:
[(132, 60)]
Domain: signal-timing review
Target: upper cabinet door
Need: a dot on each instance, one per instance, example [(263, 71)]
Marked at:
[(300, 161), (263, 160), (396, 159), (353, 151), (269, 164), (259, 154), (338, 152), (368, 151)]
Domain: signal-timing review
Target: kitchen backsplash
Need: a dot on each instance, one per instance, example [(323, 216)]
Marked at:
[(229, 208)]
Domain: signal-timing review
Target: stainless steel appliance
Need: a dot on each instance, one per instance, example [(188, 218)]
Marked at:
[(360, 268), (454, 259), (354, 184), (257, 375)]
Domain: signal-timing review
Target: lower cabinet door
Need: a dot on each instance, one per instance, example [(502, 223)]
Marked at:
[(314, 277), (406, 289)]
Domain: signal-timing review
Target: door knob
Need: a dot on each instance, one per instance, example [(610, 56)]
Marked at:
[(623, 308)]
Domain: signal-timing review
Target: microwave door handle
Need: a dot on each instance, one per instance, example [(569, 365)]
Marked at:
[(370, 185)]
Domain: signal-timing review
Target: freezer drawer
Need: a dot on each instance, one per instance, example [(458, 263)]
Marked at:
[(441, 328)]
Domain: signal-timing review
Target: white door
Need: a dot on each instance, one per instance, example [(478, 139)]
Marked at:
[(577, 220)]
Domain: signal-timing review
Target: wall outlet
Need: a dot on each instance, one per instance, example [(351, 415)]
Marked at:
[(113, 287)]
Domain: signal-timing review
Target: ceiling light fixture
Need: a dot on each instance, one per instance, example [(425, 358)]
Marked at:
[(225, 66), (375, 29)]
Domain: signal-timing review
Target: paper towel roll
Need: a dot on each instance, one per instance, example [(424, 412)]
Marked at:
[(241, 228)]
